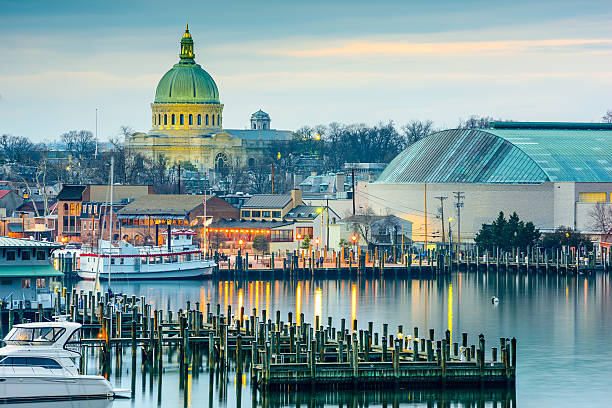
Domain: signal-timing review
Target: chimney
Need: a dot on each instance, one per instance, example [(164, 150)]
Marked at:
[(296, 197)]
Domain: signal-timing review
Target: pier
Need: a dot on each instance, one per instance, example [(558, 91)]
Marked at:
[(285, 354)]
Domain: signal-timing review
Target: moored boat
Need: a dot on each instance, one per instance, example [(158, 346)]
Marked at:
[(40, 363), (180, 259)]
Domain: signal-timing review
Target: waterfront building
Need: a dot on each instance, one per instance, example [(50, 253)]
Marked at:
[(146, 219), (81, 209), (27, 276), (187, 121), (283, 219), (553, 174), (270, 206)]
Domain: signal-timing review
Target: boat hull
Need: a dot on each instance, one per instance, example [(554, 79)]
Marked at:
[(183, 273), (50, 387)]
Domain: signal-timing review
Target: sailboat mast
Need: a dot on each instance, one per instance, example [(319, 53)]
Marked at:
[(110, 238)]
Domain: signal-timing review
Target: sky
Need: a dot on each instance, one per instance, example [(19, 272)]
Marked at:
[(305, 62)]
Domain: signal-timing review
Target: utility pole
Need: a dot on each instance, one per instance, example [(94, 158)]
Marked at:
[(442, 198), (353, 177), (327, 232), (272, 176), (425, 193), (459, 195)]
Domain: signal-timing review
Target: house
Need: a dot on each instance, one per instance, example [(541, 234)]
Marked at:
[(270, 207), (10, 200), (140, 219), (300, 223), (72, 198)]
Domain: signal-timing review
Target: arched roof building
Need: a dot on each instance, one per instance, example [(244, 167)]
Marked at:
[(550, 173), (508, 152)]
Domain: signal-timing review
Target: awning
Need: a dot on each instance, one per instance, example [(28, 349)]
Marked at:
[(152, 217), (29, 271)]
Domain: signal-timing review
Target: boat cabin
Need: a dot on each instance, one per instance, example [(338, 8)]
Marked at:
[(27, 275)]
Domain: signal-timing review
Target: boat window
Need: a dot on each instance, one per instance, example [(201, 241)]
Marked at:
[(74, 342), (40, 335), (30, 362)]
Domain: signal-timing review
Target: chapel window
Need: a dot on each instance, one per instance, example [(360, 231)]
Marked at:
[(173, 119), (154, 120), (213, 120), (199, 119), (218, 120), (159, 119), (207, 119), (190, 119), (181, 119), (165, 119)]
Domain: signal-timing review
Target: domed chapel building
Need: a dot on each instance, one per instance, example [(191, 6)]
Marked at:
[(187, 121)]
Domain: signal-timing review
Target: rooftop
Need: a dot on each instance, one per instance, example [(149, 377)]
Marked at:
[(268, 201), (7, 242), (253, 224), (71, 193), (303, 212), (163, 204), (508, 152), (28, 271)]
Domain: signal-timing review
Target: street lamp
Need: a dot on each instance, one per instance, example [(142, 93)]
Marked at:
[(354, 239), (298, 237)]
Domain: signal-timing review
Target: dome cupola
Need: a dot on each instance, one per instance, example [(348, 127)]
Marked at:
[(187, 82)]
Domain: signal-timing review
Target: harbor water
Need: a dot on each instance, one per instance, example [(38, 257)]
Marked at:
[(563, 326)]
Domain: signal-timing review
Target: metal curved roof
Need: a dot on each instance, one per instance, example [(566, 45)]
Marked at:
[(508, 152)]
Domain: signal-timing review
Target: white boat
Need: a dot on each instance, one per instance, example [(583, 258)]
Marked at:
[(39, 362), (181, 259)]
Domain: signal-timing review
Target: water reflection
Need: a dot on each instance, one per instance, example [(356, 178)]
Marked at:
[(563, 326)]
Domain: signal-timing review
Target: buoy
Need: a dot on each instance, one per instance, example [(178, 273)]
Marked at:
[(494, 299)]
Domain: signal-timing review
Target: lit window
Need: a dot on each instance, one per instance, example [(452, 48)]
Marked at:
[(181, 119), (173, 119), (165, 119), (207, 119), (190, 119), (199, 119)]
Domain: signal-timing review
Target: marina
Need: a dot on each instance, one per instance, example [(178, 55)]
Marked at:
[(422, 303)]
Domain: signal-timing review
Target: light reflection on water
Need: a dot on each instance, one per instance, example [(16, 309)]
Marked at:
[(563, 326)]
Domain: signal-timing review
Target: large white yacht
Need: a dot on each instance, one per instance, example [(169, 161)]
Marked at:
[(39, 362), (180, 259)]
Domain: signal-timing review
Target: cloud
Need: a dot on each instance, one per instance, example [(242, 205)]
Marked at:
[(407, 48)]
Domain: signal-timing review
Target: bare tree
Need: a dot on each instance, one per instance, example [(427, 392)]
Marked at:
[(18, 149), (475, 122), (601, 219), (81, 144), (416, 130), (362, 224), (607, 118)]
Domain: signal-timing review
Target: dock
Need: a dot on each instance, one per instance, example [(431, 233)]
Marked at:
[(284, 355)]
